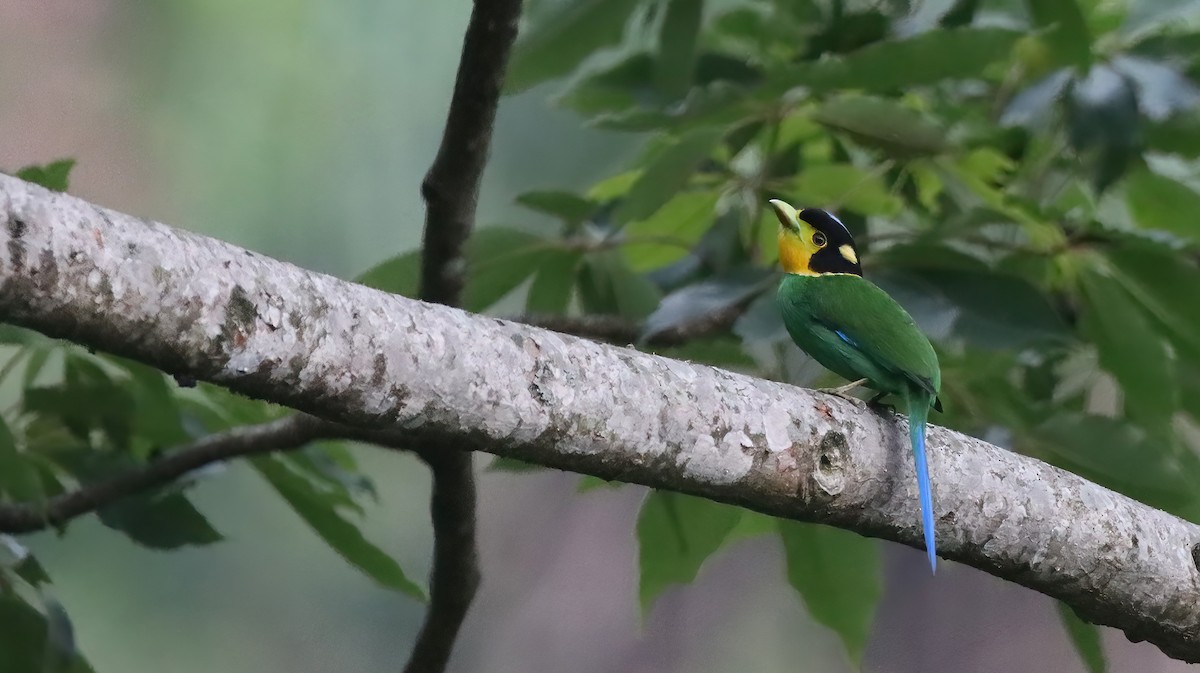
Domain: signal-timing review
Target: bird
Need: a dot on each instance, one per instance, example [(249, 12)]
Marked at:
[(856, 330)]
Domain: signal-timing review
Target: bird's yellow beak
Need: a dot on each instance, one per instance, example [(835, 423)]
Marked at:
[(788, 217)]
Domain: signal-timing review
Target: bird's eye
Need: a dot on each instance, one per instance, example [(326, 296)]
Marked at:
[(818, 239)]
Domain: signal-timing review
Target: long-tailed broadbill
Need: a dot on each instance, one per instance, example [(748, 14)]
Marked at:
[(854, 329)]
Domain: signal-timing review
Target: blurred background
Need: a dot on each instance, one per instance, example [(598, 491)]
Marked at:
[(302, 129)]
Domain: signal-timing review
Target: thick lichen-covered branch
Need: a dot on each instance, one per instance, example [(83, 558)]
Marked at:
[(439, 377)]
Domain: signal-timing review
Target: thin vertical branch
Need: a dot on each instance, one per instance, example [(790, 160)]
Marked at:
[(451, 192), (451, 187)]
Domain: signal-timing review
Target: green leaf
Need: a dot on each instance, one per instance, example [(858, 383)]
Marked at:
[(923, 16), (763, 334), (23, 637), (15, 558), (1162, 89), (54, 175), (156, 415), (1179, 134), (38, 356), (557, 40), (1163, 284), (61, 652), (1146, 16), (11, 335), (1189, 385), (608, 286), (1116, 455), (554, 282), (1103, 123), (994, 311), (667, 174), (589, 483), (1130, 349), (753, 524), (961, 13), (502, 464), (927, 184), (624, 85), (720, 247), (843, 186), (676, 534), (884, 124), (31, 643), (399, 275), (986, 165), (330, 465), (87, 400), (1068, 37), (1158, 202), (744, 25), (239, 410), (838, 574), (717, 104), (1085, 637), (898, 65), (614, 186), (343, 536), (161, 520), (1031, 107), (498, 260), (666, 236), (19, 479), (701, 300), (571, 208), (677, 40), (848, 31)]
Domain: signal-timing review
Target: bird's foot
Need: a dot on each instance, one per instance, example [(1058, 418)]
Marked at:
[(843, 391), (876, 403)]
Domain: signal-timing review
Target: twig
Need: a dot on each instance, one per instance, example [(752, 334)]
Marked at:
[(281, 435), (451, 192), (622, 331)]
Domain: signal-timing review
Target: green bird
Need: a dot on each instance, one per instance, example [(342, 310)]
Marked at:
[(854, 329)]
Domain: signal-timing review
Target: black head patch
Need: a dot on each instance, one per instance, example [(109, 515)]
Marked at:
[(838, 254)]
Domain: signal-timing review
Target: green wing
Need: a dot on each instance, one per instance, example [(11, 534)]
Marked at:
[(861, 314)]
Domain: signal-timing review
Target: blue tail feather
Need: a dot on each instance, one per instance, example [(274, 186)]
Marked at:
[(918, 412)]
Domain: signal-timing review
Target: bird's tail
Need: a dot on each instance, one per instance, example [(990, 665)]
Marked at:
[(918, 412)]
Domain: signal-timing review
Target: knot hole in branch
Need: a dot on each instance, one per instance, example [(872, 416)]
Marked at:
[(829, 473)]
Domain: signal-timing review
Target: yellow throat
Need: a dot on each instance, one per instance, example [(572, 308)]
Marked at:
[(794, 255)]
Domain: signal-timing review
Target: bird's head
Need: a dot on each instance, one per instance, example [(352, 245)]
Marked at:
[(813, 242)]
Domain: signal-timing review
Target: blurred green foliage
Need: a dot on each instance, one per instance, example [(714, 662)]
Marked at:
[(1020, 175)]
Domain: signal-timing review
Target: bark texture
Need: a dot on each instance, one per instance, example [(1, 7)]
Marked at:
[(440, 378)]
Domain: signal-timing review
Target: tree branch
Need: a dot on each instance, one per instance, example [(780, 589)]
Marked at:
[(455, 576), (451, 188), (439, 378), (451, 191)]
